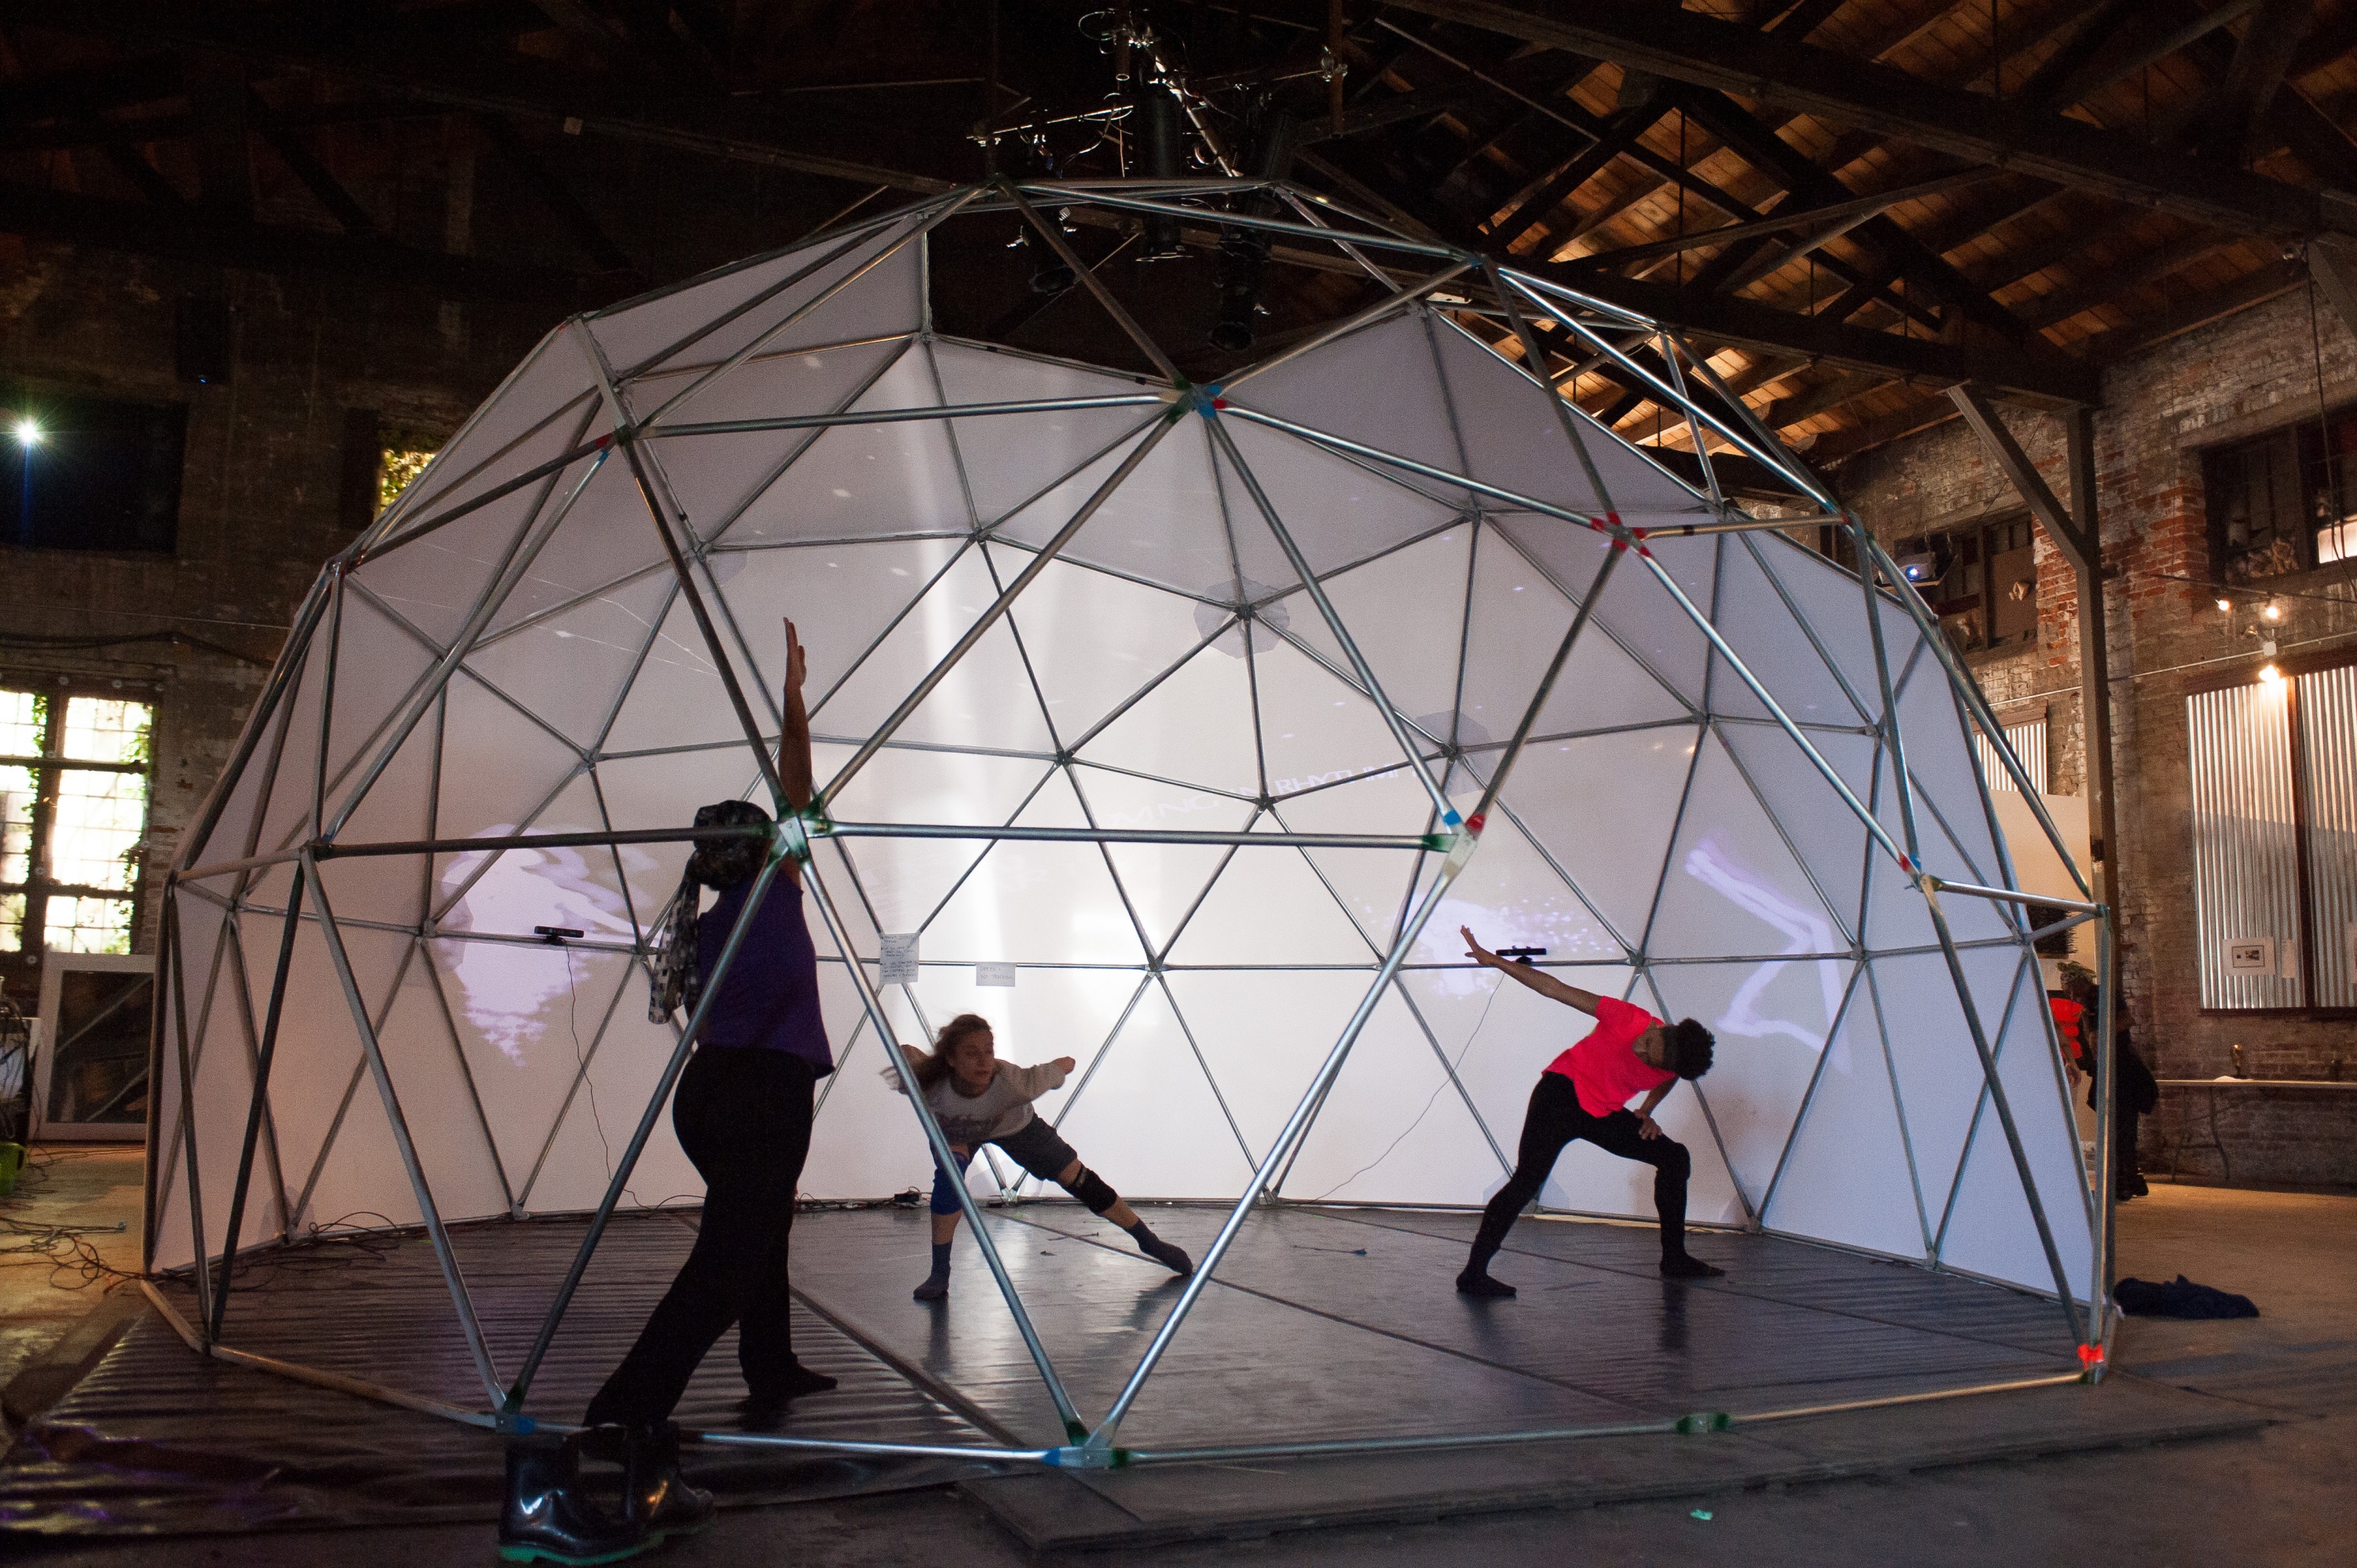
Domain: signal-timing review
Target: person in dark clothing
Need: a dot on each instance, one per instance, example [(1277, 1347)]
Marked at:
[(1584, 1093), (742, 1111), (2138, 1093)]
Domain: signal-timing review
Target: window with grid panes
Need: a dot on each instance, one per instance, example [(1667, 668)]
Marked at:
[(73, 817)]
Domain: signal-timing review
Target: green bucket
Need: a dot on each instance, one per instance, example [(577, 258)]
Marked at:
[(11, 1160)]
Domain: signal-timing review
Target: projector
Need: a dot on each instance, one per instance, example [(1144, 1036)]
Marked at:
[(1921, 570)]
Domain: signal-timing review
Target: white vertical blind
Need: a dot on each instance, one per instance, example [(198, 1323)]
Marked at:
[(2245, 842), (2328, 742), (2027, 741)]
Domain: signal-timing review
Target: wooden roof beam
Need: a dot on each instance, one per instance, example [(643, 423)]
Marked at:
[(1728, 58)]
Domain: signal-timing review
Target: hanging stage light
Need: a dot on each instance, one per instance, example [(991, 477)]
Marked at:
[(1162, 243)]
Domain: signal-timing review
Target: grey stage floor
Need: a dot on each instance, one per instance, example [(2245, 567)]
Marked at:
[(1320, 1324)]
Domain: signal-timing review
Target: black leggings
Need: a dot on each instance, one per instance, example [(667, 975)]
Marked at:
[(744, 1116), (1554, 1119)]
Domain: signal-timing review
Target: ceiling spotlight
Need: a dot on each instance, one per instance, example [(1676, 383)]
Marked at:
[(2226, 604), (2273, 612), (28, 434), (2270, 673)]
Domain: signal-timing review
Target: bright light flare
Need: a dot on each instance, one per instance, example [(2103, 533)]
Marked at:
[(2273, 612), (2227, 605), (28, 434), (2270, 674)]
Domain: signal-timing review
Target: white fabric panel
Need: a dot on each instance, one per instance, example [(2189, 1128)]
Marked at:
[(1094, 640), (1601, 807), (1820, 824), (1005, 459), (677, 698), (571, 669), (1036, 902), (1776, 648), (606, 1111), (1326, 390), (1370, 885), (507, 893), (1164, 524), (1634, 611), (431, 1079), (986, 700), (1731, 886), (1263, 1035), (1163, 881), (1335, 511), (905, 880), (1834, 605), (286, 815), (605, 535), (1990, 1231), (1405, 611), (437, 580), (1509, 896), (391, 889), (1149, 1121), (1771, 1020), (842, 598), (1850, 1125), (378, 665), (539, 413), (1268, 908), (317, 1060), (222, 1086), (707, 321), (1394, 1129), (1316, 728), (715, 477), (1517, 443), (1937, 1070), (855, 480), (1195, 726)]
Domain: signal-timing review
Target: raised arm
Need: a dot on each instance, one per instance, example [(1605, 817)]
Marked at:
[(794, 744), (1537, 980)]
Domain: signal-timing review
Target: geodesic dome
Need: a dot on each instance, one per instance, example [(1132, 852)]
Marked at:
[(1152, 711)]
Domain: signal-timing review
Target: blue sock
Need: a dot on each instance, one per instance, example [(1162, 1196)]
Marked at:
[(941, 1260)]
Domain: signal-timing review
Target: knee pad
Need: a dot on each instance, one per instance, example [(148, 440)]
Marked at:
[(1091, 1190), (945, 1192)]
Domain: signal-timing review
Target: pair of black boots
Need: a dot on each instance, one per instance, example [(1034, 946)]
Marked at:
[(550, 1517)]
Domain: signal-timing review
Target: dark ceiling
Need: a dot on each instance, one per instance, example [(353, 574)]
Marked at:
[(1856, 203)]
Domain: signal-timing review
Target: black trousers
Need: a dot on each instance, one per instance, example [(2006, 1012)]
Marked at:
[(744, 1118), (1554, 1119)]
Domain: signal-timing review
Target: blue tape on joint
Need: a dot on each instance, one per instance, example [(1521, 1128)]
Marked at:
[(1451, 820)]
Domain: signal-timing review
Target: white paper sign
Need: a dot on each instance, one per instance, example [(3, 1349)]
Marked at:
[(900, 961), (994, 974), (2250, 955)]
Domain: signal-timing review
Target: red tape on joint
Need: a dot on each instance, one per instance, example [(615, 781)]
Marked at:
[(2091, 1354)]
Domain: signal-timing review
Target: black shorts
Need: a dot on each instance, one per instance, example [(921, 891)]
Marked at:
[(1034, 1145)]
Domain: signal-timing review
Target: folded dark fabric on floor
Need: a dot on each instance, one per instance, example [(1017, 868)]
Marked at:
[(2181, 1298)]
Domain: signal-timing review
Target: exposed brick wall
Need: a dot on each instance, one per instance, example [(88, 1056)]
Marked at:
[(2249, 373), (260, 486)]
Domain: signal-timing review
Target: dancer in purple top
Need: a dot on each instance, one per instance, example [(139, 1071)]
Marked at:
[(743, 1114)]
